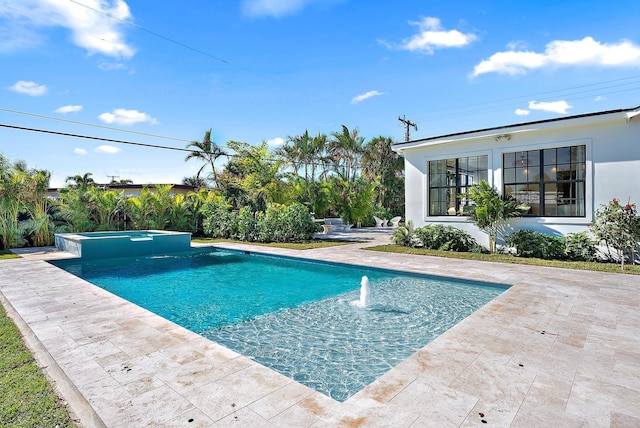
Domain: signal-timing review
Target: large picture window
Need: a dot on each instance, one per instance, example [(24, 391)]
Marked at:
[(550, 181), (451, 177)]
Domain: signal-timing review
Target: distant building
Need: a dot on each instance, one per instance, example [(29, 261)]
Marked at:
[(130, 189), (563, 168)]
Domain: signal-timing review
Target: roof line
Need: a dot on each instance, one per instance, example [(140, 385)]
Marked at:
[(497, 128)]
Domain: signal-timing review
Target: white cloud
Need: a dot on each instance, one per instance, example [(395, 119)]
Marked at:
[(364, 96), (92, 27), (115, 66), (599, 98), (432, 36), (522, 112), (68, 109), (122, 116), (275, 142), (276, 8), (29, 88), (107, 149), (553, 106), (79, 151), (559, 53)]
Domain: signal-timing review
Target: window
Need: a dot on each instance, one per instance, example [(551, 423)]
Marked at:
[(451, 177), (550, 181)]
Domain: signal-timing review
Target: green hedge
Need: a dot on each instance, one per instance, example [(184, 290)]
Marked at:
[(573, 246), (279, 223), (436, 237)]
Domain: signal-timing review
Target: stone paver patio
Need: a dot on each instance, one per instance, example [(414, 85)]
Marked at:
[(559, 348)]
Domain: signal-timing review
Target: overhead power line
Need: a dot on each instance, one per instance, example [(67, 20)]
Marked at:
[(606, 87), (153, 33), (93, 125), (109, 140)]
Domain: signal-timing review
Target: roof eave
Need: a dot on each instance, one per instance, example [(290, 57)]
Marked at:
[(499, 131)]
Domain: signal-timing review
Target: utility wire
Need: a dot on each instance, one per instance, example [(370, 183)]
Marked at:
[(110, 140), (196, 50), (509, 102), (93, 125), (153, 33)]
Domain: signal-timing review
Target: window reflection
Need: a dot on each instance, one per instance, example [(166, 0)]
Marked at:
[(550, 181)]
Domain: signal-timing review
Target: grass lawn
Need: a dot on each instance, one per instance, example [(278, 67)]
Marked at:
[(26, 397), (316, 243), (503, 258), (6, 254)]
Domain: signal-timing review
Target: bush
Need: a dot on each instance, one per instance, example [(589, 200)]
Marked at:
[(529, 243), (405, 236), (445, 238), (279, 223), (618, 226), (218, 219), (580, 247), (247, 222), (286, 223), (436, 237)]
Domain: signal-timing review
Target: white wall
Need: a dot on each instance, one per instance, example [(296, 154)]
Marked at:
[(613, 166)]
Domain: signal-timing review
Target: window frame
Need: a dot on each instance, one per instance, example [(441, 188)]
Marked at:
[(581, 178), (458, 185)]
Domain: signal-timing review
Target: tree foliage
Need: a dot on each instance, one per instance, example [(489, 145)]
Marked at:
[(618, 227), (491, 210), (207, 152)]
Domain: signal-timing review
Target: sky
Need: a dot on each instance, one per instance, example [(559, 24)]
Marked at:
[(161, 73)]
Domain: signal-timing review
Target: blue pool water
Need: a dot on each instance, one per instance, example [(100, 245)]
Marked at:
[(291, 315)]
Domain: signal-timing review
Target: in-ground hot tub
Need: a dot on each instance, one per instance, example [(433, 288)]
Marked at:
[(129, 243)]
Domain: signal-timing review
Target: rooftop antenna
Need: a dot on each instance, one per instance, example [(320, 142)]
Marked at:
[(113, 178), (407, 124)]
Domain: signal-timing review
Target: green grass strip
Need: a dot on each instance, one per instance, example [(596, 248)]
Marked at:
[(6, 254), (26, 396), (504, 258), (308, 245)]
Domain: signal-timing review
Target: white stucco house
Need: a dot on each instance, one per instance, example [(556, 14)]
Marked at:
[(563, 168)]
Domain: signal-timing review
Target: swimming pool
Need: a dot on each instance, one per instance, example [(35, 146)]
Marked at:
[(291, 315)]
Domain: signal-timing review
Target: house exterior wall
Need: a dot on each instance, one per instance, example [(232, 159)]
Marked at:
[(612, 166)]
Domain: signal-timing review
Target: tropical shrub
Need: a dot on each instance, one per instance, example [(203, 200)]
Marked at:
[(285, 223), (24, 208), (580, 247), (279, 223), (353, 200), (491, 210), (529, 243), (405, 236), (618, 227), (444, 238), (247, 221), (218, 219)]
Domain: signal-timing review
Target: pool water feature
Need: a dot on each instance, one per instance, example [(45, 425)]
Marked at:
[(291, 315), (126, 243)]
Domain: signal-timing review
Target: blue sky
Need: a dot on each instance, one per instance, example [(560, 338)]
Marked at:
[(262, 70)]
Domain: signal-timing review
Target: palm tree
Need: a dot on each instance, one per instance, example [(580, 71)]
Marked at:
[(205, 151), (124, 181), (10, 205), (37, 206), (345, 149), (491, 210), (382, 165), (106, 206), (194, 181), (305, 152), (81, 181)]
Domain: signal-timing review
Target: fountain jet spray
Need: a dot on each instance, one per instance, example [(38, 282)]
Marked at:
[(365, 292)]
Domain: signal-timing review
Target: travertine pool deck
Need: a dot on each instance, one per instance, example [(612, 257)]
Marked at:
[(559, 348)]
